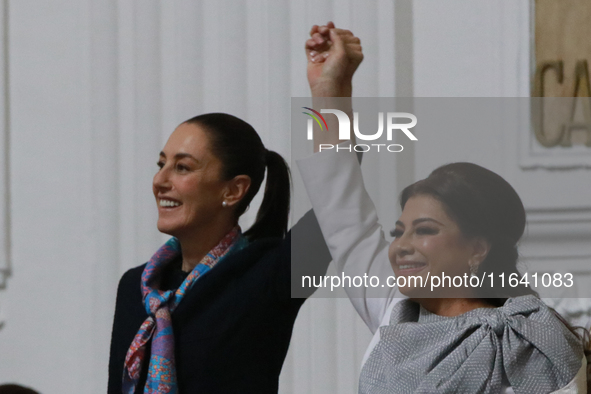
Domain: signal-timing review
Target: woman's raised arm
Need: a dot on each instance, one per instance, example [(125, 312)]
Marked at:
[(333, 180), (333, 57)]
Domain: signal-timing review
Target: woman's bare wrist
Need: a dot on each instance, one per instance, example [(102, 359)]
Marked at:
[(330, 88)]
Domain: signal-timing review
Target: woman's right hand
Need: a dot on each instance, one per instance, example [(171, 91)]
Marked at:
[(333, 56)]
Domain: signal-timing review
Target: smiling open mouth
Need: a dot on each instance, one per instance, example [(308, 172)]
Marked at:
[(411, 266), (169, 203)]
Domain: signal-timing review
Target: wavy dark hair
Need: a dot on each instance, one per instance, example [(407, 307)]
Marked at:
[(240, 149)]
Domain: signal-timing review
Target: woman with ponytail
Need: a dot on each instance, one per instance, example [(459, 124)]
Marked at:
[(212, 311)]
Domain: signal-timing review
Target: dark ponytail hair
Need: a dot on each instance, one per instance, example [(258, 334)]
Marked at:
[(484, 205), (241, 151), (275, 200)]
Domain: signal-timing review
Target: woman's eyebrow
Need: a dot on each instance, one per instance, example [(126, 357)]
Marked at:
[(180, 156), (421, 220), (184, 155), (418, 221)]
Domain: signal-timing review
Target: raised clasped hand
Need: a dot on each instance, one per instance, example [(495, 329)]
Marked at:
[(333, 56)]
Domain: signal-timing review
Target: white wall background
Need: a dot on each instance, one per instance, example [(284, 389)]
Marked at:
[(94, 87)]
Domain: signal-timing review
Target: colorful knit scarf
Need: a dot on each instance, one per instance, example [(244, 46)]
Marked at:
[(159, 306)]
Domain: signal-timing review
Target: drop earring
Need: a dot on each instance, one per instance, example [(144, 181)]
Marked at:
[(473, 269)]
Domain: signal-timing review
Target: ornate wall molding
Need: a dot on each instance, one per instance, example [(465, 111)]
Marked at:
[(536, 149), (533, 155), (557, 241), (557, 234)]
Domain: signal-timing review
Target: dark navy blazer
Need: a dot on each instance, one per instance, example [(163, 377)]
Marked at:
[(232, 329)]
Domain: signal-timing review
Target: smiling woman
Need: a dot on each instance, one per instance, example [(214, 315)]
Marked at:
[(212, 310), (427, 240), (487, 217), (461, 221), (188, 187)]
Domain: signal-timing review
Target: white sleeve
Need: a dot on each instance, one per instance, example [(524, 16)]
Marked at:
[(349, 223), (579, 383)]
